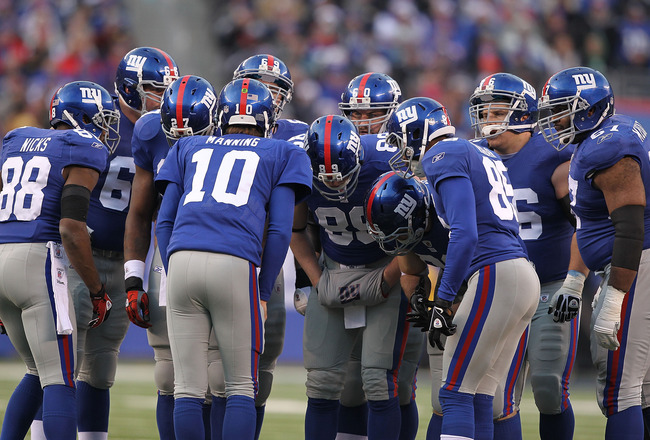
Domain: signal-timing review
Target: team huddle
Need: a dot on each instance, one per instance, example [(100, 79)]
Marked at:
[(172, 207)]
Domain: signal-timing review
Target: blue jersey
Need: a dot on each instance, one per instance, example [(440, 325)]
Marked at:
[(343, 231), (149, 144), (618, 137), (109, 201), (226, 183), (496, 220), (543, 225), (432, 249), (291, 130), (33, 160)]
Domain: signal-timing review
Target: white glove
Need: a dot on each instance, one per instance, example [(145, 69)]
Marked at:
[(565, 304), (300, 301), (608, 320)]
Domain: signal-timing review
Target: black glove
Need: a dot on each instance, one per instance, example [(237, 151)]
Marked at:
[(420, 314), (101, 307), (441, 322)]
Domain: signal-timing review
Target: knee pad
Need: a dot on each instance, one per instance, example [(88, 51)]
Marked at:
[(547, 390), (216, 379), (376, 384), (264, 390), (163, 376), (98, 370), (325, 384)]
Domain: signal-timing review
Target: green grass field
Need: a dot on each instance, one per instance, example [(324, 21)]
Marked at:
[(133, 401)]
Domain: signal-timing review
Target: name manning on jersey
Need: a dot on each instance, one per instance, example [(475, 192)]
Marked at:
[(244, 142), (34, 144)]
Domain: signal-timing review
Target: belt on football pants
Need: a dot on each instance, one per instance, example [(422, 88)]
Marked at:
[(111, 255)]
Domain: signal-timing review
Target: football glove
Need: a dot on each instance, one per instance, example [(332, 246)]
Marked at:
[(3, 330), (565, 304), (137, 302), (441, 322), (101, 307), (420, 314), (300, 299), (608, 320)]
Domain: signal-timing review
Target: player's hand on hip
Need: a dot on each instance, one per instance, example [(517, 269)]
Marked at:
[(137, 302), (565, 304), (441, 322), (101, 307), (608, 319)]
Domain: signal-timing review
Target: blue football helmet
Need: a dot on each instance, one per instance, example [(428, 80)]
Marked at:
[(397, 212), (246, 102), (88, 106), (514, 100), (273, 73), (413, 125), (188, 108), (144, 67), (335, 152), (371, 92), (574, 93)]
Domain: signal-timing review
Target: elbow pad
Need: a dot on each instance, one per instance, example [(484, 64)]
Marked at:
[(75, 200), (628, 223)]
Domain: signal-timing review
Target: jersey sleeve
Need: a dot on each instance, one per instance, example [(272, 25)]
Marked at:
[(83, 149), (444, 160), (297, 172), (145, 132), (607, 149)]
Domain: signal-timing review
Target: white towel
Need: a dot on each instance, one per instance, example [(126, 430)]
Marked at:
[(59, 262), (162, 289)]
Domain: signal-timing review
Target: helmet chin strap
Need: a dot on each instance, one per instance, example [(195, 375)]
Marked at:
[(71, 120)]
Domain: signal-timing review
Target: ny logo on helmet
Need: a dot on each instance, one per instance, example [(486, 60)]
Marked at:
[(407, 115), (209, 99), (89, 95), (406, 206), (135, 62), (585, 81)]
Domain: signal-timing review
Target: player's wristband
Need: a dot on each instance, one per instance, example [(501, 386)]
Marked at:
[(134, 268), (133, 283)]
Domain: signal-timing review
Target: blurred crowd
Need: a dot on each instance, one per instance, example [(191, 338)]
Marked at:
[(436, 48), (47, 43)]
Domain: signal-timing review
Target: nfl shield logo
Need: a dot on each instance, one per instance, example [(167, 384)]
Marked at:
[(544, 298)]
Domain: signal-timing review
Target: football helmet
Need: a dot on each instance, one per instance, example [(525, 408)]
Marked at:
[(144, 67), (335, 153), (88, 106), (397, 212), (246, 102), (273, 73), (367, 92), (581, 94), (509, 95), (413, 124), (188, 108)]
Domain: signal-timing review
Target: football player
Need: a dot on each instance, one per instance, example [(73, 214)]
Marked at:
[(273, 73), (358, 296), (219, 193), (47, 179), (503, 110), (473, 197), (609, 179)]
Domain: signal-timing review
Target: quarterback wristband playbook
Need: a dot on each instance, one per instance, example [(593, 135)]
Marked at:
[(74, 202), (628, 236)]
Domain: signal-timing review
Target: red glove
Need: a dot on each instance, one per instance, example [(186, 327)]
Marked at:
[(3, 330), (101, 307), (137, 302)]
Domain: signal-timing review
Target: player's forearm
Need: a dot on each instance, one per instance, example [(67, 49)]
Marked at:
[(137, 237), (303, 251), (575, 261), (76, 243)]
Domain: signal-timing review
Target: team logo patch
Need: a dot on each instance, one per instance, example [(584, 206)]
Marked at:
[(349, 293), (544, 298), (60, 276)]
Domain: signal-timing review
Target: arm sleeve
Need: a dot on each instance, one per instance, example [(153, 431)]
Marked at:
[(166, 217), (277, 238), (457, 197)]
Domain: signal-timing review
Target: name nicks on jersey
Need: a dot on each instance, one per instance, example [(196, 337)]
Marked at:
[(242, 142), (34, 144)]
